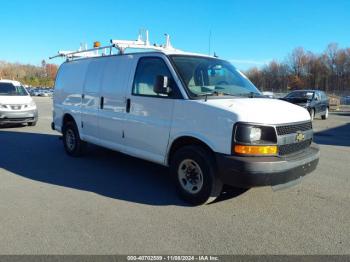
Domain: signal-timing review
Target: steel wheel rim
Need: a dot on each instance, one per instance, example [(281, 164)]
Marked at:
[(190, 176), (70, 139)]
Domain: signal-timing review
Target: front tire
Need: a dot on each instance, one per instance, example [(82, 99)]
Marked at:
[(193, 169), (72, 143), (312, 114), (325, 116)]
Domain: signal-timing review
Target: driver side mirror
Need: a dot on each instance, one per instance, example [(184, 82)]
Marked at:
[(162, 85)]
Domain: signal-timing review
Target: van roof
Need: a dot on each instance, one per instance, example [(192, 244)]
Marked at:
[(178, 52)]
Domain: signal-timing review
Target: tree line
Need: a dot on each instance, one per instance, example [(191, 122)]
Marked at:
[(328, 71), (36, 76)]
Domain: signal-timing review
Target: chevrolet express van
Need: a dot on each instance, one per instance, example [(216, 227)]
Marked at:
[(196, 114), (16, 105)]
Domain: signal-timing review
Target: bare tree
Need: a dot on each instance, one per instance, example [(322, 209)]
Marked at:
[(329, 71)]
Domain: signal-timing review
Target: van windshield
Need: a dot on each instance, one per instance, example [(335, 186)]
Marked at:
[(205, 76), (8, 89)]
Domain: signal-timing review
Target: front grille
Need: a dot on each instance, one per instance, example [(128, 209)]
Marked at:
[(16, 107), (293, 148), (290, 129), (16, 119)]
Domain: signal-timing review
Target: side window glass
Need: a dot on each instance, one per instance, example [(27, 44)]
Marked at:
[(324, 96), (319, 96), (146, 72)]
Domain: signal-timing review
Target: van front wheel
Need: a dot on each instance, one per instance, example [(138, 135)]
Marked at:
[(325, 116), (312, 114), (71, 140), (193, 168)]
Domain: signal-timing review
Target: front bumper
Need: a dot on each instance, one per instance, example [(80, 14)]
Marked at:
[(247, 172), (15, 117)]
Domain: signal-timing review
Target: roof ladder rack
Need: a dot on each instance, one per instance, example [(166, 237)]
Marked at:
[(120, 45), (93, 52)]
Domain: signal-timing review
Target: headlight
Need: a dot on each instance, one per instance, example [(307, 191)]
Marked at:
[(249, 139), (255, 134), (3, 106)]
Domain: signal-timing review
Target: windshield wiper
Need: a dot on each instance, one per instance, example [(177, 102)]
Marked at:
[(215, 93), (250, 95)]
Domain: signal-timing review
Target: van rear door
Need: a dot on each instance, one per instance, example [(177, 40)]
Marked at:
[(91, 100)]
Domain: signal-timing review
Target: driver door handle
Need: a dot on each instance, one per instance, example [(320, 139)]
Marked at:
[(102, 101), (128, 105)]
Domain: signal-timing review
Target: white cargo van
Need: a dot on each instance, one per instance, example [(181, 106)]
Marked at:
[(16, 105), (196, 114)]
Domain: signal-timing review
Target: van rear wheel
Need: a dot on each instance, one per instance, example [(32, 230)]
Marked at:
[(73, 145), (193, 169)]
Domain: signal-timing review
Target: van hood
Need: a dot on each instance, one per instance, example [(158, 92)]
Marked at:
[(262, 110), (15, 100)]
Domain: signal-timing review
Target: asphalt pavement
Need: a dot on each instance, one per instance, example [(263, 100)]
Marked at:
[(109, 203)]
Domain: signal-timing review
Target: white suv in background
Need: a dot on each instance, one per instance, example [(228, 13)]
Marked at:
[(194, 113), (16, 105)]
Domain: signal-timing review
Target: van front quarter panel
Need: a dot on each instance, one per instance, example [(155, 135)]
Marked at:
[(213, 126)]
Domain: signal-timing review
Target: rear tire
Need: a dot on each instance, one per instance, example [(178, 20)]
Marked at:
[(72, 143), (325, 116), (193, 169)]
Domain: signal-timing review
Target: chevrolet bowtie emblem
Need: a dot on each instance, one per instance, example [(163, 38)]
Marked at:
[(299, 137)]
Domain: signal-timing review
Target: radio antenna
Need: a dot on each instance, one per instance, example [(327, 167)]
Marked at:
[(209, 44)]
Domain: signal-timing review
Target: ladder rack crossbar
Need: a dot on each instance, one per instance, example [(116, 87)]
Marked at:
[(71, 54), (122, 45)]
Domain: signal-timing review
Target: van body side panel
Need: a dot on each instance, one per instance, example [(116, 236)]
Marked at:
[(91, 101), (68, 90), (115, 82)]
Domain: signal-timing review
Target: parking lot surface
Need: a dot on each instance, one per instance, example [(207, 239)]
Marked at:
[(109, 203)]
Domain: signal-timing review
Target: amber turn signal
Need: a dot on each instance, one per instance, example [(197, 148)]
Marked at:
[(255, 150)]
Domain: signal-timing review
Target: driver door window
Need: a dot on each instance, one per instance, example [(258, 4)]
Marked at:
[(147, 70)]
